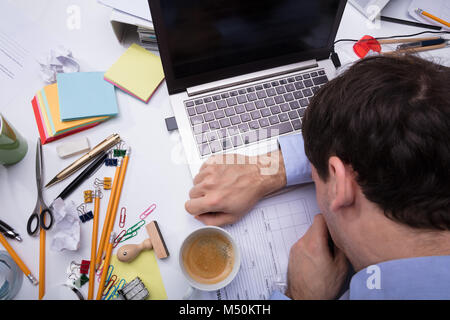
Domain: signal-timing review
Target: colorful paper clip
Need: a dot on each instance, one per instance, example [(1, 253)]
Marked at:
[(83, 215), (147, 212), (123, 216), (119, 237), (128, 236), (88, 194), (111, 281), (135, 227), (106, 183)]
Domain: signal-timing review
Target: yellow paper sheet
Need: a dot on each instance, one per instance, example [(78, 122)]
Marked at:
[(138, 72), (51, 93), (146, 268)]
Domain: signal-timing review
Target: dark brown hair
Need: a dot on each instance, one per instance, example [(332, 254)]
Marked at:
[(389, 119)]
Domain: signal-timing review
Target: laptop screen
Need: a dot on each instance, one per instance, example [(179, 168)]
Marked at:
[(202, 36)]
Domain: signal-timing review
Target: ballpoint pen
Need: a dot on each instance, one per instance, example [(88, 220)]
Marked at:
[(8, 231), (419, 44), (106, 144)]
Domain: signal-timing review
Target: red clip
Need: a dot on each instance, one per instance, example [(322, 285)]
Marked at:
[(84, 267), (119, 237), (123, 216)]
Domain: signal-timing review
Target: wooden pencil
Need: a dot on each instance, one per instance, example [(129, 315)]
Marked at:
[(42, 263), (101, 286), (94, 245)]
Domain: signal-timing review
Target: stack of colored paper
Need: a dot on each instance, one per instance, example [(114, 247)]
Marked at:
[(137, 72), (78, 101)]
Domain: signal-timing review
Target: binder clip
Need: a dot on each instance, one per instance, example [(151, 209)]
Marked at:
[(134, 290), (88, 194), (106, 183), (121, 150), (82, 214), (84, 267), (110, 161)]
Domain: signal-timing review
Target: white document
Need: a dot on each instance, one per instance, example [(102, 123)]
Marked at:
[(138, 8), (265, 236), (438, 8), (22, 43)]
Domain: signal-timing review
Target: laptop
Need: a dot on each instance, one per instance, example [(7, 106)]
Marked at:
[(239, 73)]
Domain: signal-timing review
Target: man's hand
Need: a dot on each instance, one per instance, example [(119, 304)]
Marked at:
[(314, 272), (228, 186)]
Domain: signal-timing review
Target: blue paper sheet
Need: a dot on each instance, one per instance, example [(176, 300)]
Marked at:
[(85, 95)]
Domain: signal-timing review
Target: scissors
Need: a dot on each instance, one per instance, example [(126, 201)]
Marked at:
[(41, 213)]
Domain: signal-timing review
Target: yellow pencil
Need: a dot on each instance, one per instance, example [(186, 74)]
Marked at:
[(42, 262), (103, 238), (113, 212), (429, 15), (101, 286), (94, 245), (17, 260)]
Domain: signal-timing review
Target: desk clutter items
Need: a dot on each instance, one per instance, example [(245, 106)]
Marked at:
[(155, 241), (47, 107), (58, 60), (137, 72), (84, 95), (99, 149), (67, 229), (11, 277), (134, 290), (72, 148)]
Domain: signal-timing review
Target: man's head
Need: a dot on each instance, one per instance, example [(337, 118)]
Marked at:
[(378, 137)]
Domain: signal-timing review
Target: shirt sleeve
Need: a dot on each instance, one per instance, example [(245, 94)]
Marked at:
[(277, 295), (298, 168)]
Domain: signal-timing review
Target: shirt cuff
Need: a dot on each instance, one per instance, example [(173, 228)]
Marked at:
[(277, 295), (298, 168)]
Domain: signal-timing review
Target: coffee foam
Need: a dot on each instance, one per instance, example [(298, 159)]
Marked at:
[(208, 258)]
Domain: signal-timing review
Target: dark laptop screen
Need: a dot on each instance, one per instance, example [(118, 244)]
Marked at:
[(206, 35)]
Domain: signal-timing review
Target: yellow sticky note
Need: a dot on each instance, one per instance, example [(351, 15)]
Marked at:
[(146, 268), (138, 72)]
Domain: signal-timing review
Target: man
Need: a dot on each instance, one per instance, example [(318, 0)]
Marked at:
[(378, 139)]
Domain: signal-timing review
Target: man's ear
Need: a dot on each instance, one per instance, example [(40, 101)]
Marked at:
[(343, 184)]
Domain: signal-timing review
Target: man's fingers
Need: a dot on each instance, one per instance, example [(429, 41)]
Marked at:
[(196, 192), (202, 205), (215, 218)]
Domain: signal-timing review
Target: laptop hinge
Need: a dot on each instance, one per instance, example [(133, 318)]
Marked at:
[(251, 77)]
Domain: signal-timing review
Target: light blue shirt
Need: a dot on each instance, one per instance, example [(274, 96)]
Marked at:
[(409, 279)]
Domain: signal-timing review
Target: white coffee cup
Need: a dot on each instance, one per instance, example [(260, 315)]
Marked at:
[(194, 284)]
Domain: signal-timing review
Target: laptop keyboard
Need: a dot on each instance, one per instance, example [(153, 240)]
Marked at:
[(239, 117)]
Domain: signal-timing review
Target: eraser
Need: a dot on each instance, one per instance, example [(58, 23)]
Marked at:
[(171, 124), (72, 148)]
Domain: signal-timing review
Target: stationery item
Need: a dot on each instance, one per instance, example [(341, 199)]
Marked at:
[(113, 292), (119, 237), (88, 194), (84, 267), (129, 252), (74, 147), (42, 263), (58, 60), (134, 290), (113, 212), (123, 217), (437, 12), (145, 266), (66, 232), (137, 72), (17, 260), (41, 210), (107, 218), (147, 212), (9, 231), (11, 277), (398, 12), (429, 15), (106, 183), (84, 214), (84, 95), (13, 147), (83, 176), (94, 244), (101, 147), (106, 263), (422, 43)]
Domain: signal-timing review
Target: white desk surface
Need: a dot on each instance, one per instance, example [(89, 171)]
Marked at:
[(156, 171)]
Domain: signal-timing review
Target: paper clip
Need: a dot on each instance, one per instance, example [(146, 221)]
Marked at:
[(88, 196), (82, 214), (147, 212), (119, 237), (128, 236), (123, 216), (111, 281), (113, 292), (135, 227)]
